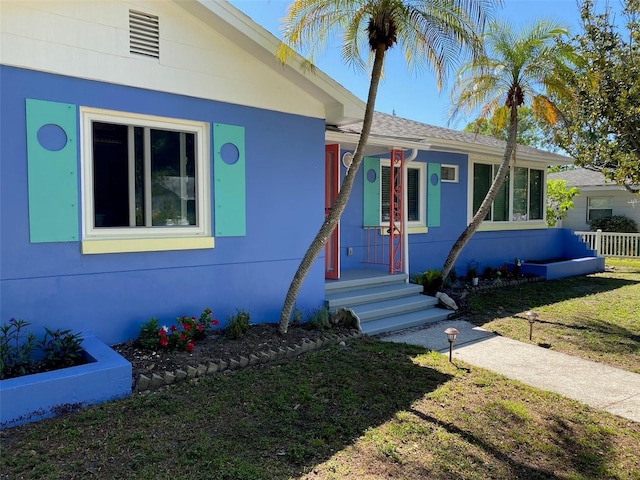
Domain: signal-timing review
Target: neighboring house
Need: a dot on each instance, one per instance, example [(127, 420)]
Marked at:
[(156, 160), (598, 198)]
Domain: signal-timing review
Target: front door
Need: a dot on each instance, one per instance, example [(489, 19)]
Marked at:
[(331, 187)]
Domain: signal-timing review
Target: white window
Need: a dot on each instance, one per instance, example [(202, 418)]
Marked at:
[(144, 177), (599, 207), (449, 173), (519, 199), (415, 192)]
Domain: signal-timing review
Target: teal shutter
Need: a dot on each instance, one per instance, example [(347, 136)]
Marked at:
[(230, 213), (371, 189), (433, 194), (52, 166)]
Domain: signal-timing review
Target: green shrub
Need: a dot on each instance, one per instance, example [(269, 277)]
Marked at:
[(318, 319), (431, 280), (615, 224), (238, 324), (60, 348), (148, 336), (57, 349)]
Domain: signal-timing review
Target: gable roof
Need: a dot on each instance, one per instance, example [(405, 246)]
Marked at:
[(206, 49), (341, 106), (414, 134)]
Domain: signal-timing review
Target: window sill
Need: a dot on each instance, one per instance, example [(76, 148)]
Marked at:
[(129, 245), (499, 226)]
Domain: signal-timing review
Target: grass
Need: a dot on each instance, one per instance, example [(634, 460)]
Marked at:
[(595, 317), (370, 410)]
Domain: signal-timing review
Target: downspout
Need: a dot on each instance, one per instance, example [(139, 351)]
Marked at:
[(405, 232)]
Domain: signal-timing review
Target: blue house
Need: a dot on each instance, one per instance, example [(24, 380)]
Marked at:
[(156, 160)]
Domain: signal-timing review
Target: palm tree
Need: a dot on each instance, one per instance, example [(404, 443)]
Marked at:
[(516, 68), (430, 32)]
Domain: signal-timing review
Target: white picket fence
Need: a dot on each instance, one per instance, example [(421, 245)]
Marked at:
[(609, 244)]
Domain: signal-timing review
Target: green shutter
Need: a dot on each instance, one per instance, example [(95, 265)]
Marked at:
[(52, 166), (229, 181), (371, 189), (433, 194)]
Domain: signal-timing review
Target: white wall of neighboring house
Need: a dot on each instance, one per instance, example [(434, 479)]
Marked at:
[(623, 203)]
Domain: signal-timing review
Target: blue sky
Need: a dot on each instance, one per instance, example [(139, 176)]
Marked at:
[(413, 96)]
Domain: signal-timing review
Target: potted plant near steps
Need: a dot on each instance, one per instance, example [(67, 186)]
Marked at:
[(431, 281), (472, 272)]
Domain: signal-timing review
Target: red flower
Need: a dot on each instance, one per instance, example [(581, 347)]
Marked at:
[(215, 322), (183, 337), (186, 326), (200, 327), (172, 328), (162, 332), (190, 346), (163, 341)]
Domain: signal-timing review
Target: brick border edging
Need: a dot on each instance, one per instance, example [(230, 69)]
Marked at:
[(144, 383)]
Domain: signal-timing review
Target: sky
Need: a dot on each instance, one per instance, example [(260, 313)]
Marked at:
[(410, 95)]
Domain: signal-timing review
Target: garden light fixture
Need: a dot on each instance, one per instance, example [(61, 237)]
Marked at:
[(531, 316), (451, 333)]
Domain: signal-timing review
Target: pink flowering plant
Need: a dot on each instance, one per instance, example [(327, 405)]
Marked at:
[(181, 336)]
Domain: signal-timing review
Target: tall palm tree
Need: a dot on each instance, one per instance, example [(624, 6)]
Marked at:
[(516, 68), (430, 32)]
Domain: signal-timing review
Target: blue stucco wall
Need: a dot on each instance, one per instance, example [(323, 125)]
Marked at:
[(430, 250), (110, 295)]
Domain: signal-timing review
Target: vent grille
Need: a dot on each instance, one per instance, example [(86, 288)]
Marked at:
[(144, 34)]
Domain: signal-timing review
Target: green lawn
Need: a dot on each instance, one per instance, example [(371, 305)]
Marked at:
[(370, 410), (595, 316)]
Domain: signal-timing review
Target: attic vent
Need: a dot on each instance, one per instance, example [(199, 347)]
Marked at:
[(144, 34)]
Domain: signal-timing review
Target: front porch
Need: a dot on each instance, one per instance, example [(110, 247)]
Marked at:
[(382, 302)]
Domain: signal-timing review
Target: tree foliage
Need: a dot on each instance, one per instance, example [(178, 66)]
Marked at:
[(531, 131), (559, 200), (603, 120), (519, 67)]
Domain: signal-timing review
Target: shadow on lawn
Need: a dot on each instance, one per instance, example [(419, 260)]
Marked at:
[(584, 452), (271, 422)]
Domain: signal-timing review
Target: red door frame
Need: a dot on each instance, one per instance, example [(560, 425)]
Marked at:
[(331, 188)]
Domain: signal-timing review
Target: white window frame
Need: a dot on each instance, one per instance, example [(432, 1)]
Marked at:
[(128, 239), (415, 226), (456, 173), (510, 224), (609, 200)]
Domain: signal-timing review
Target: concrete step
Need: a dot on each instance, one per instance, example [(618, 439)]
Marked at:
[(390, 308), (351, 298), (407, 320), (347, 284)]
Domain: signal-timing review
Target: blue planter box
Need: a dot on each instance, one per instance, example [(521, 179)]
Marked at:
[(33, 397), (566, 268)]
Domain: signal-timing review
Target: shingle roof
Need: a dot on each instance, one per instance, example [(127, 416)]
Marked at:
[(581, 177), (390, 126)]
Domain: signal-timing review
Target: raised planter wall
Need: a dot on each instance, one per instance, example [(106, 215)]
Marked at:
[(567, 268), (34, 397)]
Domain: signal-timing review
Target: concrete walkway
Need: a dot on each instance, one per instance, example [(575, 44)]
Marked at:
[(600, 386)]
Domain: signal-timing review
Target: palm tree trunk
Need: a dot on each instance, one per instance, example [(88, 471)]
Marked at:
[(340, 203), (479, 216)]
